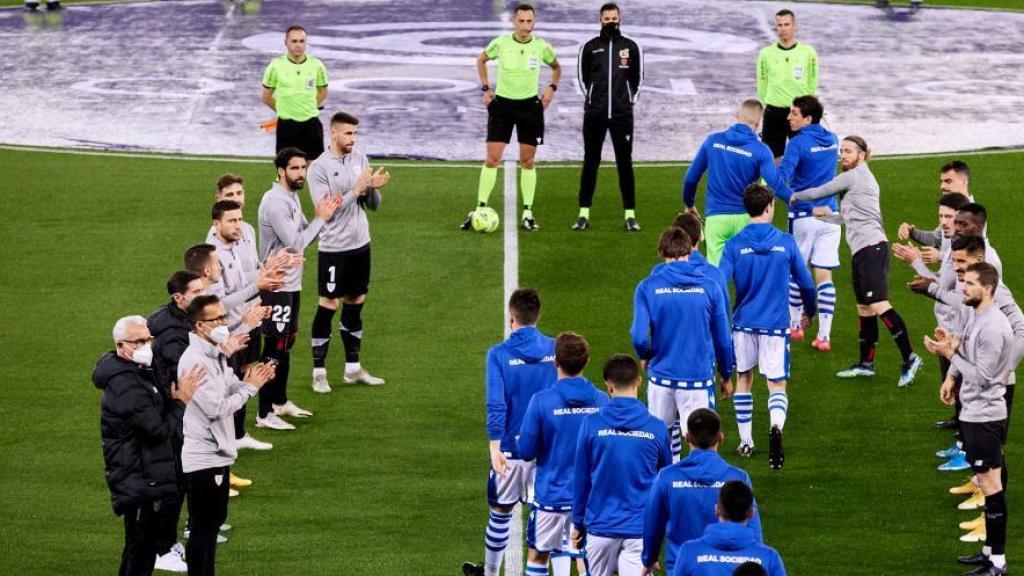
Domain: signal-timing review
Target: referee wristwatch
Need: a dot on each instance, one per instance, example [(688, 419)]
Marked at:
[(485, 88), (554, 87)]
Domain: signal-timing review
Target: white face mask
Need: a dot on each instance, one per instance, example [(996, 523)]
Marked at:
[(143, 355), (220, 334)]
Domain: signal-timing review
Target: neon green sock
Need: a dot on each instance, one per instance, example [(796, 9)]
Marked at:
[(487, 178), (585, 213), (630, 214), (528, 184)]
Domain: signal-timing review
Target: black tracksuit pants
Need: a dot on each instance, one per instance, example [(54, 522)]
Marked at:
[(141, 530), (594, 129), (207, 510)]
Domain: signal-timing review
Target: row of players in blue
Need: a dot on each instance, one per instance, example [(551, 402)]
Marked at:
[(605, 488)]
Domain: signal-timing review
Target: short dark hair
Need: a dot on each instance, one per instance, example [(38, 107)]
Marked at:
[(194, 313), (703, 428), (523, 7), (809, 106), (197, 256), (987, 274), (227, 180), (621, 370), (969, 244), (179, 281), (222, 206), (954, 200), (524, 304), (690, 223), (750, 568), (571, 353), (285, 155), (674, 243), (608, 7), (756, 199), (344, 118), (958, 166), (735, 500), (977, 211), (785, 12), (293, 28)]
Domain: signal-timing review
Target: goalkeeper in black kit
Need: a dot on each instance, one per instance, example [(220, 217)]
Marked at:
[(610, 72)]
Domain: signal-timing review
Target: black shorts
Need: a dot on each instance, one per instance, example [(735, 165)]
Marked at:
[(983, 443), (247, 355), (871, 274), (526, 116), (284, 316), (307, 135), (343, 273), (775, 129)]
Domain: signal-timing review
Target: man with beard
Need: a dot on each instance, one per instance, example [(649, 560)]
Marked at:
[(283, 226), (343, 257)]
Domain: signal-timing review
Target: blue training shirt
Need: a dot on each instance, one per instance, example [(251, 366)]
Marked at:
[(722, 548), (682, 503), (679, 314), (550, 428), (618, 454), (810, 160), (733, 159), (517, 368), (760, 260)]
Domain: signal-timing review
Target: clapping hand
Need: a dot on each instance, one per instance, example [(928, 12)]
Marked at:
[(185, 387)]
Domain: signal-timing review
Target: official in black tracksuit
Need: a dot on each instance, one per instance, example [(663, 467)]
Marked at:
[(610, 72)]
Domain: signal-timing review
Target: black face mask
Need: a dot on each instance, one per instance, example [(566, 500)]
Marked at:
[(610, 29)]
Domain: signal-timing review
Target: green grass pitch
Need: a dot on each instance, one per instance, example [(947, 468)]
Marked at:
[(392, 480)]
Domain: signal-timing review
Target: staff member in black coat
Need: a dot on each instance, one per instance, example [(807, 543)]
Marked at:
[(136, 426), (610, 71)]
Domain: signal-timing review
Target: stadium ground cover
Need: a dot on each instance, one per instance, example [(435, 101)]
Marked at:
[(391, 480)]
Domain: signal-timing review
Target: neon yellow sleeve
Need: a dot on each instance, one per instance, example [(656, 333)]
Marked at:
[(812, 73), (493, 48), (548, 55), (270, 76), (762, 76), (321, 76)]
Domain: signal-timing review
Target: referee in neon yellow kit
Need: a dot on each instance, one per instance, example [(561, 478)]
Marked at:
[(295, 87), (785, 70), (514, 104)]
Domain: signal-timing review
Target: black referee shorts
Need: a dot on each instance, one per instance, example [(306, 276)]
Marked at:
[(343, 273), (284, 316), (871, 274), (526, 116), (983, 443), (307, 135), (775, 129)]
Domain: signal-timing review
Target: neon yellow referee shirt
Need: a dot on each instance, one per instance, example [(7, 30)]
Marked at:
[(295, 86), (786, 73), (519, 65)]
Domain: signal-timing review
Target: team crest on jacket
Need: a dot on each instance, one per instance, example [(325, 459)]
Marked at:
[(624, 57)]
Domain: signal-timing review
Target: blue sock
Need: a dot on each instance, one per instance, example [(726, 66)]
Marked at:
[(744, 405), (796, 306), (496, 538), (778, 407), (676, 432)]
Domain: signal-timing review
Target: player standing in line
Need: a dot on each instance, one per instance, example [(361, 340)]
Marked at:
[(618, 454), (517, 368), (548, 436), (733, 159), (810, 160), (760, 260), (679, 314), (610, 71), (981, 356), (954, 178), (514, 104), (283, 226), (295, 87), (785, 70), (681, 502), (861, 211), (730, 542), (343, 256)]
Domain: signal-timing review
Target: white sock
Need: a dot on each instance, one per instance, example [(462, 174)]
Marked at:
[(535, 569), (319, 372), (826, 308), (744, 406), (351, 367), (998, 560), (778, 407), (495, 540), (561, 565), (987, 551), (796, 307)]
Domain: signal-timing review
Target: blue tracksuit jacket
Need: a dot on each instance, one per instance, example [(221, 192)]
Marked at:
[(722, 548), (810, 160), (516, 369)]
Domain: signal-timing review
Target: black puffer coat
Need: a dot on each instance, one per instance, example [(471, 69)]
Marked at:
[(136, 426)]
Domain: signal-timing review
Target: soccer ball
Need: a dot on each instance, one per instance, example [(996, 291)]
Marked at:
[(485, 220)]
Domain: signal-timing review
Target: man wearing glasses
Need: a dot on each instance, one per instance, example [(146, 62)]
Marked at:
[(209, 448)]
